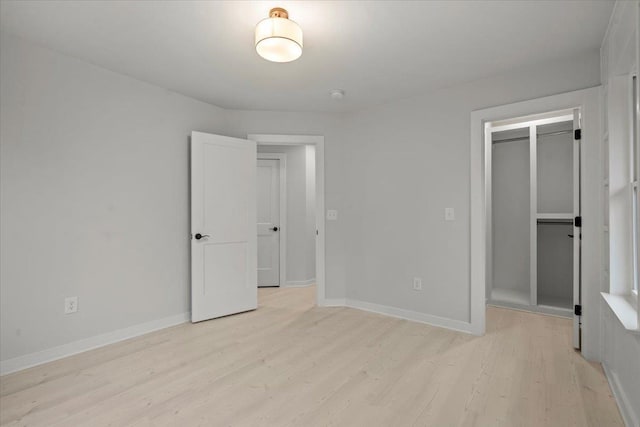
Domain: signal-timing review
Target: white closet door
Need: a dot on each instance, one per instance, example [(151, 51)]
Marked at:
[(577, 233)]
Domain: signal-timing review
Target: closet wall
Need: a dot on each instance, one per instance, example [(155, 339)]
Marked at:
[(554, 158), (555, 168), (555, 265), (510, 219)]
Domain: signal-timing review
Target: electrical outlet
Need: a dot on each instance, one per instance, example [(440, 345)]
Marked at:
[(70, 305), (449, 214), (417, 284), (332, 214)]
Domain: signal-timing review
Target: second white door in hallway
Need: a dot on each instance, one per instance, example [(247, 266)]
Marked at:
[(268, 209)]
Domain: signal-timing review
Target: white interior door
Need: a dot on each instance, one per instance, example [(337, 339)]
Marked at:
[(268, 189), (577, 233), (223, 226)]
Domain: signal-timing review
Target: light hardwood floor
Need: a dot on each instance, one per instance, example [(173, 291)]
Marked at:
[(290, 363)]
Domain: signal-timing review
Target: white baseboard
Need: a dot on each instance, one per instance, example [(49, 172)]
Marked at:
[(299, 283), (38, 358), (415, 316), (540, 309), (630, 418), (33, 359), (332, 302)]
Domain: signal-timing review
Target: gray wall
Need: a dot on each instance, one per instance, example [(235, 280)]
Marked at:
[(408, 160), (94, 198), (301, 263), (95, 192)]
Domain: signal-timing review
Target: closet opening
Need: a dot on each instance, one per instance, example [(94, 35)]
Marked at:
[(532, 190)]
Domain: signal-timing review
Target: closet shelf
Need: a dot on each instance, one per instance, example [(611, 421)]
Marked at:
[(554, 216)]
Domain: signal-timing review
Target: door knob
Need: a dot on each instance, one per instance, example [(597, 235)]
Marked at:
[(274, 229), (199, 236)]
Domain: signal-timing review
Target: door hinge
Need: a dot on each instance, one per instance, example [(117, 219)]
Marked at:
[(577, 310), (577, 221), (577, 134)]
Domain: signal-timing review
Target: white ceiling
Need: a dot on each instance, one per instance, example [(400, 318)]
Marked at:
[(375, 50)]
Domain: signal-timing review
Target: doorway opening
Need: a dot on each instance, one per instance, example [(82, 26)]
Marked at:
[(533, 214), (290, 206), (591, 268)]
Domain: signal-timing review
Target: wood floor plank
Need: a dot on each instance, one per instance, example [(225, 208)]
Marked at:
[(291, 363)]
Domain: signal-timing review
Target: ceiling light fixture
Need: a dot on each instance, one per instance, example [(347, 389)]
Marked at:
[(278, 39)]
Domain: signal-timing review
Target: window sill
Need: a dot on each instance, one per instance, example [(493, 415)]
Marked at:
[(624, 309)]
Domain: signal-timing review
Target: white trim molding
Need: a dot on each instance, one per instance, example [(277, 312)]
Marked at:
[(300, 283), (318, 142), (49, 355), (442, 322), (332, 302), (400, 313), (630, 418), (624, 309)]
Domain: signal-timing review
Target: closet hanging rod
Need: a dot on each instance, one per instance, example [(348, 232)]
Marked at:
[(521, 138), (555, 221)]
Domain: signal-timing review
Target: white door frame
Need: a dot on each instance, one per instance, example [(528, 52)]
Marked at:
[(318, 142), (592, 271), (282, 226)]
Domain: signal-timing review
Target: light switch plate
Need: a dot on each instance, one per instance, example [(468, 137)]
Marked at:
[(70, 305), (449, 214), (332, 215)]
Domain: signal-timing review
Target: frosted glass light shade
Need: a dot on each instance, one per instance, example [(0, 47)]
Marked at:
[(278, 39)]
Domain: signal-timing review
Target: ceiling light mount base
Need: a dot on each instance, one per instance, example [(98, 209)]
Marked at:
[(336, 94), (278, 12)]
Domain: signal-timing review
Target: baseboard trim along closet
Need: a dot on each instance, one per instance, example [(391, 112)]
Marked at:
[(630, 418), (414, 316), (299, 283), (333, 302), (38, 358)]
